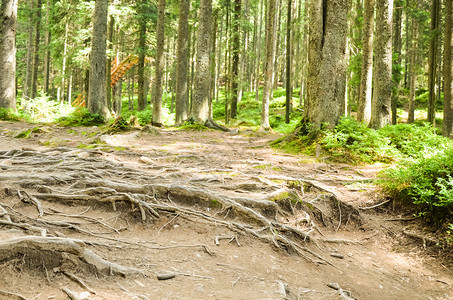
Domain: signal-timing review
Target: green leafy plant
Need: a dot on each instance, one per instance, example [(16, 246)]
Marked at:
[(81, 117)]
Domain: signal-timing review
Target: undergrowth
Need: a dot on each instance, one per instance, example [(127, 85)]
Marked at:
[(81, 117)]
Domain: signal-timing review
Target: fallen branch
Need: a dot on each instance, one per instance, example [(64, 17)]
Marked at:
[(375, 206)]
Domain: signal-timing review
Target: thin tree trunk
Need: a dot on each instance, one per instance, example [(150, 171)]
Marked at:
[(243, 57), (182, 63), (413, 70), (447, 127), (289, 88), (63, 71), (397, 48), (29, 68), (366, 79), (236, 49), (433, 46), (160, 39), (258, 51), (141, 66), (8, 18), (97, 92), (34, 79), (108, 78), (269, 68), (382, 76), (47, 50)]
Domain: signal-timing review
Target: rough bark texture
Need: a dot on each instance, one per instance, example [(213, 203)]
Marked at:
[(202, 80), (97, 92), (382, 76), (366, 79), (433, 50), (160, 65), (235, 67), (327, 61), (289, 55), (447, 128), (182, 64), (141, 66), (34, 79), (47, 50), (8, 19), (269, 64), (28, 71), (413, 70), (397, 47)]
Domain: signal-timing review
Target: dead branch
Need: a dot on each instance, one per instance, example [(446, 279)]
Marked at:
[(375, 206)]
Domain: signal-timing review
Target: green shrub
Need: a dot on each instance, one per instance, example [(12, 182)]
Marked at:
[(9, 115), (425, 182), (81, 117)]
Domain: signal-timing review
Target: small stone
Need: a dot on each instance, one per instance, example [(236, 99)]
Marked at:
[(145, 160), (165, 276)]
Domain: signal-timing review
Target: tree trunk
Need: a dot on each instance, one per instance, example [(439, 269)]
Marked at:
[(327, 62), (366, 79), (447, 128), (141, 66), (108, 78), (433, 48), (97, 92), (289, 88), (8, 20), (202, 80), (47, 50), (413, 70), (158, 82), (397, 47), (34, 79), (236, 49), (182, 95), (29, 69), (63, 71), (382, 76), (258, 51), (269, 67)]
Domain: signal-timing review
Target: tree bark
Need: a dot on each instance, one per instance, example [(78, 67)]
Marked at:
[(108, 78), (432, 63), (236, 49), (97, 91), (8, 20), (447, 128), (269, 66), (202, 80), (366, 79), (258, 51), (182, 65), (141, 66), (413, 70), (34, 79), (160, 65), (397, 48), (29, 68), (382, 76), (289, 88), (47, 50), (327, 62)]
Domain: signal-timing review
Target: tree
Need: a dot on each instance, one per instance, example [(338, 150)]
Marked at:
[(269, 66), (34, 79), (182, 92), (326, 84), (289, 56), (235, 67), (413, 70), (447, 128), (97, 91), (397, 49), (366, 79), (8, 19), (432, 63), (160, 39), (47, 50), (200, 105), (382, 76)]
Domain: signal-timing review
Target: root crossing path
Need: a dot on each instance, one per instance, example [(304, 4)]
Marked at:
[(196, 215)]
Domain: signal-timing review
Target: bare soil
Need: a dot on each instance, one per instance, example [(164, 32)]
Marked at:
[(225, 214)]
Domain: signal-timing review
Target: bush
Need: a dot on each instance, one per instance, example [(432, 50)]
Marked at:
[(425, 182), (9, 115), (81, 117)]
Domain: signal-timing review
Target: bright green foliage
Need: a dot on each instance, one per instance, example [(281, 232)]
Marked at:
[(9, 115), (426, 182), (81, 117), (356, 142)]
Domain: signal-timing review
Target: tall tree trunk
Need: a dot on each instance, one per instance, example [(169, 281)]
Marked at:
[(202, 80), (258, 51), (29, 68), (447, 127), (269, 67), (158, 82), (244, 53), (413, 70), (433, 48), (366, 79), (236, 49), (182, 95), (108, 78), (97, 92), (47, 50), (63, 71), (289, 54), (397, 48), (8, 20), (34, 79), (141, 66), (382, 76), (327, 62)]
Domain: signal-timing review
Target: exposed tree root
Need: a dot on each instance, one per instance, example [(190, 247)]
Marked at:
[(52, 250)]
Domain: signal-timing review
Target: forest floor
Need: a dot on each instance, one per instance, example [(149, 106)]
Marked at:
[(225, 214)]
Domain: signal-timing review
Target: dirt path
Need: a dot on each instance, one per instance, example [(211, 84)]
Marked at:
[(203, 185)]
